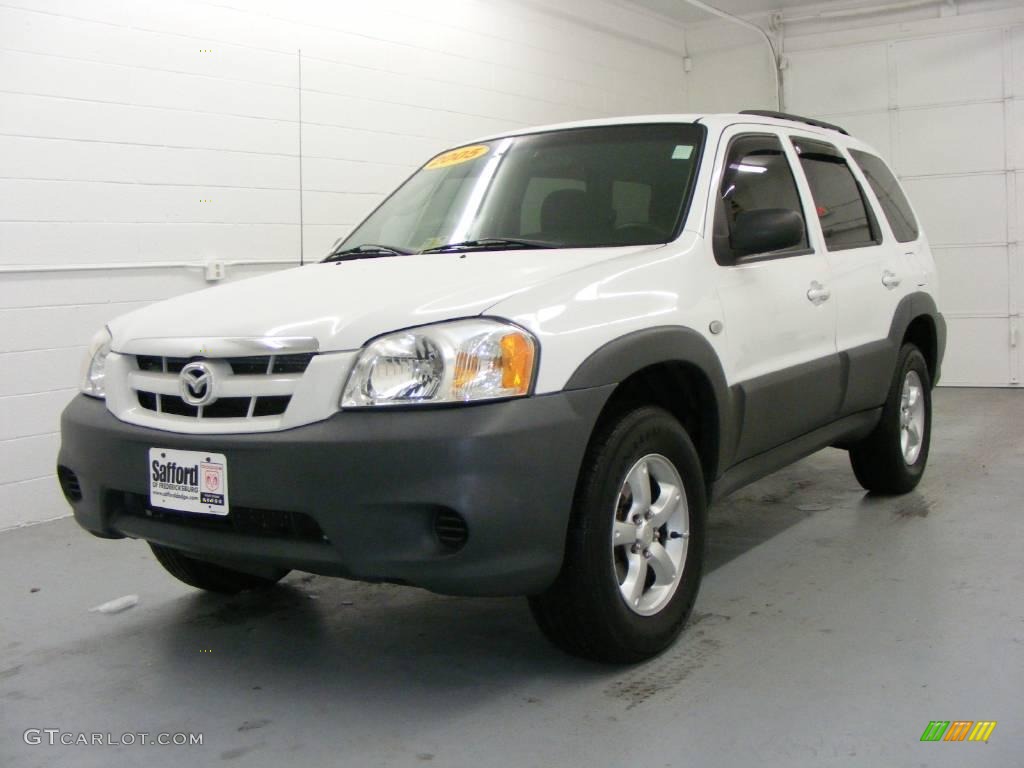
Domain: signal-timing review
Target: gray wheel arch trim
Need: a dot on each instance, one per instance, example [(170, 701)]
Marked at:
[(620, 358), (911, 307)]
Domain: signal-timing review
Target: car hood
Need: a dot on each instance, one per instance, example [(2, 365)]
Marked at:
[(344, 304)]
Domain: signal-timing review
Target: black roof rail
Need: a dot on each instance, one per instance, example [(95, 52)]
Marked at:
[(795, 118)]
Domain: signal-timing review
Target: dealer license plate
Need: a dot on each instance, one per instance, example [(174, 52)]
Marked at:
[(188, 481)]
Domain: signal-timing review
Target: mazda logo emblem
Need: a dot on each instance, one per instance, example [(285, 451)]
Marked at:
[(196, 384)]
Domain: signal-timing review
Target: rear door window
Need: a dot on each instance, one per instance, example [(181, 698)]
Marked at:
[(890, 195), (845, 215)]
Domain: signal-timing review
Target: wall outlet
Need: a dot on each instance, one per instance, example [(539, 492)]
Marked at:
[(214, 271)]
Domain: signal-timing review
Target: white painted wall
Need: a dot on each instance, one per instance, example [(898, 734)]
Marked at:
[(730, 68), (142, 132), (942, 98)]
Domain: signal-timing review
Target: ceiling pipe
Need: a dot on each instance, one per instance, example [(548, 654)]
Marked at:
[(865, 10), (749, 25)]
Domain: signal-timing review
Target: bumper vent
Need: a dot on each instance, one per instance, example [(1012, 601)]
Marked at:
[(69, 484), (451, 530), (246, 521)]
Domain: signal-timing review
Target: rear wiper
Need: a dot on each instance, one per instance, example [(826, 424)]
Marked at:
[(368, 251), (491, 243)]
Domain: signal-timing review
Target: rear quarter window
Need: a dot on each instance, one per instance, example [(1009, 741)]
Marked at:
[(890, 195)]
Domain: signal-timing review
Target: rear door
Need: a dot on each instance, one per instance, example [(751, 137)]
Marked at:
[(779, 321), (870, 274)]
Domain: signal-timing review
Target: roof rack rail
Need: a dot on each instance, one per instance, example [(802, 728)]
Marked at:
[(796, 118)]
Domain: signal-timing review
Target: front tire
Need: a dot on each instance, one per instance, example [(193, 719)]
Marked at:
[(210, 576), (892, 459), (635, 546)]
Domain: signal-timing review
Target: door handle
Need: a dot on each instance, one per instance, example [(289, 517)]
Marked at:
[(890, 280), (818, 293)]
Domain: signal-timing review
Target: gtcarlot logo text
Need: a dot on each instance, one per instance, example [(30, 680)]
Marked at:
[(55, 736)]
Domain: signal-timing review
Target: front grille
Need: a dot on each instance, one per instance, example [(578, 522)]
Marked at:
[(164, 364), (296, 363), (173, 405), (69, 484), (157, 389), (228, 408), (246, 521), (256, 365), (271, 406), (225, 408)]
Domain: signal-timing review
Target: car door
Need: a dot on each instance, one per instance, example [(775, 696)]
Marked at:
[(779, 321), (870, 273)]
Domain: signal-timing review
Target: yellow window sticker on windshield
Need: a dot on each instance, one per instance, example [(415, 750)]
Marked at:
[(431, 242), (456, 156)]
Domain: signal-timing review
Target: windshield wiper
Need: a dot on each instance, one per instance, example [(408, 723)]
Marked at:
[(491, 244), (368, 251)]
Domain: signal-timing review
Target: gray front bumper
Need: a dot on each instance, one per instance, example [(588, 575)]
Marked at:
[(374, 482)]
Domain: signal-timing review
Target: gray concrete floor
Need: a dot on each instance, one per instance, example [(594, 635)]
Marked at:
[(832, 627)]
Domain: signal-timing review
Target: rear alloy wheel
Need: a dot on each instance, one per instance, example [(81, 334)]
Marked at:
[(891, 460), (635, 545), (912, 418)]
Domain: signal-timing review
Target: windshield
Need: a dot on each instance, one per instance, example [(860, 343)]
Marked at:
[(588, 187)]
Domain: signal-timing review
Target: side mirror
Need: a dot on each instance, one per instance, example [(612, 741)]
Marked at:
[(766, 229)]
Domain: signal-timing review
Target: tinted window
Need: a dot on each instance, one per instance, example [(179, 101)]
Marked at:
[(631, 201), (890, 196), (587, 187), (539, 189), (844, 214), (756, 176)]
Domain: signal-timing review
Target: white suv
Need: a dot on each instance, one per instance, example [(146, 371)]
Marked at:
[(528, 372)]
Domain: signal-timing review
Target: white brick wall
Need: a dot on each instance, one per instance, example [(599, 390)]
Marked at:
[(115, 125)]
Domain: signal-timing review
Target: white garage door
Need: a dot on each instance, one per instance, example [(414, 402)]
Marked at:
[(948, 111)]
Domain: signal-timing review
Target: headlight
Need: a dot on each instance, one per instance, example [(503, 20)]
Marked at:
[(95, 365), (460, 361)]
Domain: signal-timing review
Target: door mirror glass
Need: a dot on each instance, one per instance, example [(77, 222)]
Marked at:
[(764, 230)]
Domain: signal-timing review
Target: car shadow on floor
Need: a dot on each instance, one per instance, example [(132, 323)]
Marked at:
[(319, 650)]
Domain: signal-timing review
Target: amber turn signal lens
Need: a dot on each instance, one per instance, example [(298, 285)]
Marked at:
[(516, 362)]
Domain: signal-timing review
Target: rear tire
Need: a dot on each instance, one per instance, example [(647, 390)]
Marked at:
[(634, 557), (210, 576), (892, 459)]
